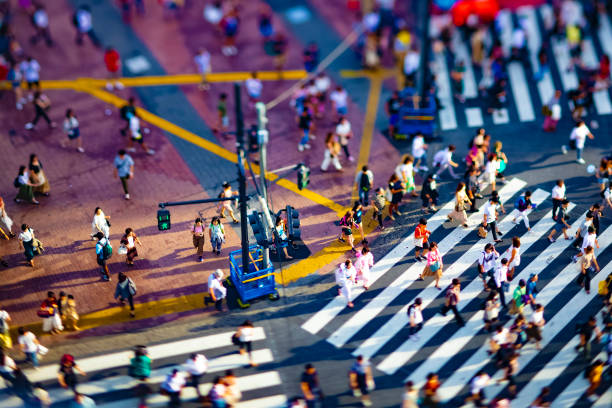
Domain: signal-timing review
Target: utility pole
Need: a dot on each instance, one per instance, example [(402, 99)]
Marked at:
[(422, 12), (241, 178), (262, 139)]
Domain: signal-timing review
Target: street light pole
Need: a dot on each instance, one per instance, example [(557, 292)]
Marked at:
[(262, 139), (241, 178)]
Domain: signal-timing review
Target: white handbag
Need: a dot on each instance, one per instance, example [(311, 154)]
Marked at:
[(122, 250)]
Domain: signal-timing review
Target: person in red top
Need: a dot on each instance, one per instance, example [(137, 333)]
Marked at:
[(430, 390), (421, 234), (112, 60)]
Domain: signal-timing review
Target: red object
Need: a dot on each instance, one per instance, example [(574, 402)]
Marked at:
[(112, 59), (461, 11), (486, 10), (353, 5)]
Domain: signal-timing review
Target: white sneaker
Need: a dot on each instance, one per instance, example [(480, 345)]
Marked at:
[(306, 146), (29, 126), (351, 159), (80, 150), (150, 152), (564, 149), (119, 85), (109, 86), (131, 149), (127, 196), (424, 168), (300, 147), (581, 161)]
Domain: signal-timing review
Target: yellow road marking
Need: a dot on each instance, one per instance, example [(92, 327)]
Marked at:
[(210, 146)]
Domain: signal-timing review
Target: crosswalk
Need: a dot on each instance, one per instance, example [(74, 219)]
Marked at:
[(376, 327), (110, 386), (526, 94)]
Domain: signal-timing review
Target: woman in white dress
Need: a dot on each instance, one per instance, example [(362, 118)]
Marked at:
[(345, 278), (100, 223), (491, 169), (513, 255), (6, 223), (365, 260)]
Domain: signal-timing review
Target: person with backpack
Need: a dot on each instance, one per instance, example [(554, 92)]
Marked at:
[(486, 262), (216, 233), (421, 235), (125, 110), (364, 181), (519, 298), (140, 364), (347, 223), (126, 289), (429, 193), (415, 316), (522, 204), (104, 251)]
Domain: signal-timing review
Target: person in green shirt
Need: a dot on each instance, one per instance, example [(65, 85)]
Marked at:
[(223, 120), (518, 297), (140, 364)]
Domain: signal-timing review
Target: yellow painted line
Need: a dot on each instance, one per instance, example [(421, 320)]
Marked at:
[(368, 126), (180, 79), (364, 73), (210, 146)]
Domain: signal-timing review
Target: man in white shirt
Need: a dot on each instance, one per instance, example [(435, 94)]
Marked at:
[(196, 365), (490, 217), (444, 160), (216, 290), (344, 132), (501, 279), (415, 315), (589, 240), (30, 71), (411, 65), (537, 322), (28, 344), (339, 99), (578, 137), (419, 152), (477, 385), (202, 60), (486, 262), (558, 195), (254, 87)]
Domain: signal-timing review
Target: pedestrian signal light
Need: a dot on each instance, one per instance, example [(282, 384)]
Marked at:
[(303, 176), (163, 220)]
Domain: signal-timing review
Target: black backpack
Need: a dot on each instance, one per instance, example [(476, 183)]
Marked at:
[(364, 182)]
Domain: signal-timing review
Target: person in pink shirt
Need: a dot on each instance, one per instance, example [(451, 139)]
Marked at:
[(434, 264), (365, 260)]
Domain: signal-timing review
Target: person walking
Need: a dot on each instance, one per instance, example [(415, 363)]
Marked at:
[(245, 335), (311, 389), (523, 203), (489, 220), (104, 251), (531, 290), (30, 71), (196, 366), (486, 263), (558, 195), (361, 380), (430, 391), (577, 140), (477, 386), (28, 345), (70, 314), (429, 193), (410, 398), (379, 201), (461, 203), (396, 190), (136, 135), (125, 290), (6, 223), (197, 235), (216, 234), (415, 317), (419, 152), (339, 101), (38, 177), (500, 278), (344, 133), (218, 393), (513, 255), (358, 219), (305, 125), (100, 223), (112, 62), (452, 300), (434, 265), (5, 336), (82, 401), (347, 223), (518, 298), (50, 313), (405, 172), (124, 114), (217, 291), (67, 375), (537, 321), (588, 268), (590, 239), (129, 241), (124, 170), (42, 104), (202, 61), (421, 235), (232, 394), (140, 364), (490, 171), (365, 260), (345, 278), (73, 131), (594, 374), (364, 181), (15, 76), (552, 112), (7, 368), (443, 160), (227, 204), (83, 23), (332, 151), (172, 386), (561, 223), (586, 331), (491, 311), (29, 244), (25, 186)]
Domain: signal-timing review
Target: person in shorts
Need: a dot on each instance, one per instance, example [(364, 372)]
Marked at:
[(421, 234), (136, 135)]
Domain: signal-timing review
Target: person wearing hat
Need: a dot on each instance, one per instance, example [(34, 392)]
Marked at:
[(490, 217), (216, 290), (227, 205)]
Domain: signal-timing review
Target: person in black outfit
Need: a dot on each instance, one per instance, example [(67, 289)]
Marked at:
[(393, 107), (429, 193), (310, 386), (585, 332)]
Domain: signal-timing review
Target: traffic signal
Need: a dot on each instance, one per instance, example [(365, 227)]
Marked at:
[(262, 236), (163, 220), (293, 223), (303, 176), (262, 119)]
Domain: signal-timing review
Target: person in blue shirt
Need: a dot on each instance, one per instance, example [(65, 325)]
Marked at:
[(532, 290), (124, 170), (101, 257)]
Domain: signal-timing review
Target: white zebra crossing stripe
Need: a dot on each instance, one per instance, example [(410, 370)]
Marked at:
[(122, 358), (574, 390), (474, 117), (320, 319), (470, 89), (343, 334), (605, 401), (567, 354), (605, 34), (124, 382), (438, 358), (518, 84), (446, 115), (601, 98), (545, 85), (569, 79), (454, 384), (246, 383)]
